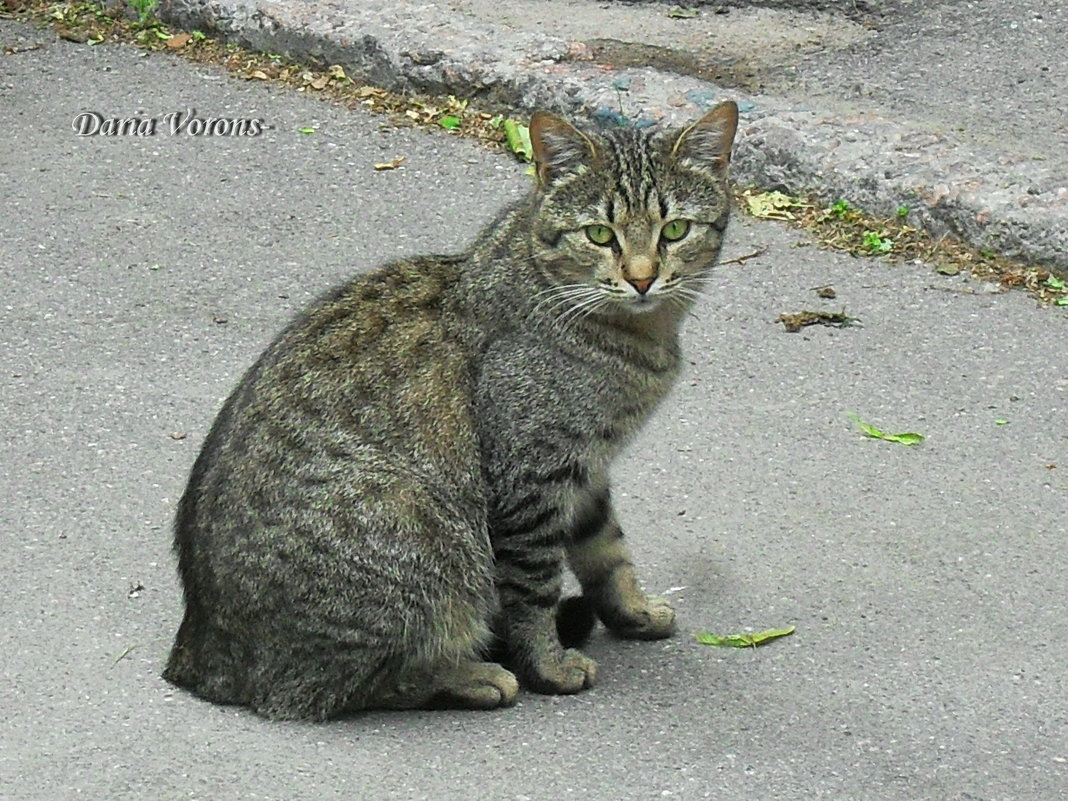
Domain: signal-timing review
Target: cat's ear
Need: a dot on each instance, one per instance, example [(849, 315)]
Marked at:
[(707, 142), (559, 147)]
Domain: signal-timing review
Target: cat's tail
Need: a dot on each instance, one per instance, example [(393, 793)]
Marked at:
[(575, 619)]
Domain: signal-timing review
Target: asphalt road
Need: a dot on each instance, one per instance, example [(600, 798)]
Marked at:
[(141, 276)]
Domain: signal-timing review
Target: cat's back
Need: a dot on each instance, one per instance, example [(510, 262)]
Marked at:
[(376, 371)]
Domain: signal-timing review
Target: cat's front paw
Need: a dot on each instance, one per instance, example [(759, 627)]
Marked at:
[(570, 672), (655, 620)]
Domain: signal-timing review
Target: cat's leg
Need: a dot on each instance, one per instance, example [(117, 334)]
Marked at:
[(602, 563), (466, 684), (529, 548)]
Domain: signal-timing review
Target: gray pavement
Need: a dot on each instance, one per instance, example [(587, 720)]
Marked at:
[(141, 276), (955, 108)]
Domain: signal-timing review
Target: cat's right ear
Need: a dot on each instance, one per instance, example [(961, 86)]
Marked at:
[(707, 143), (559, 147)]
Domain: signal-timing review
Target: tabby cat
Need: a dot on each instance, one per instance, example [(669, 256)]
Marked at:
[(389, 495)]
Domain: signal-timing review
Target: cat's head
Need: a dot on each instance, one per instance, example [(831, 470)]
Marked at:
[(629, 221)]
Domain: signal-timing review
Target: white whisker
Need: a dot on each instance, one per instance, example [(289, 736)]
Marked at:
[(584, 306), (555, 296)]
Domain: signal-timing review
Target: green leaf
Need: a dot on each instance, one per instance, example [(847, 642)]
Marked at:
[(1053, 282), (841, 209), (518, 137), (1062, 301), (682, 13), (908, 438), (306, 130), (450, 122), (876, 242), (1001, 421), (742, 640)]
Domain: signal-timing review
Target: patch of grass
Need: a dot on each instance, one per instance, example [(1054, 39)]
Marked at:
[(146, 11), (877, 241)]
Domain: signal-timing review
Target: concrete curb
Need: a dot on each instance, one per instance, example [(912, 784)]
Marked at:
[(1003, 203)]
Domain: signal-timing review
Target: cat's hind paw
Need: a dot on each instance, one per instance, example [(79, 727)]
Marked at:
[(653, 621)]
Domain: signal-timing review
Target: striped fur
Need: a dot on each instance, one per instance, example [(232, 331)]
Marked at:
[(400, 479)]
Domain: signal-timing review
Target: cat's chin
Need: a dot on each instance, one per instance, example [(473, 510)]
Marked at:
[(643, 304)]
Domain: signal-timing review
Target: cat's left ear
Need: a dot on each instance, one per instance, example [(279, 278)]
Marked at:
[(708, 142), (559, 147)]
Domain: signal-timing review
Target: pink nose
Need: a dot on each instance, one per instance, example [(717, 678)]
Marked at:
[(641, 284)]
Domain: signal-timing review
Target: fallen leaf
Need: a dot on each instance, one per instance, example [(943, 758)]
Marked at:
[(908, 438), (826, 292), (321, 82), (518, 137), (370, 91), (178, 41), (682, 13), (178, 435), (947, 269), (390, 165), (773, 205), (796, 321), (743, 640), (338, 72), (450, 122), (218, 319), (308, 130), (259, 75), (78, 37)]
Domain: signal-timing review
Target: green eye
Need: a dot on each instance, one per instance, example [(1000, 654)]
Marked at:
[(675, 230), (600, 234)]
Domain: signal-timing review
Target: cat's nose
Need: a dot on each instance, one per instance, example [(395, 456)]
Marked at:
[(641, 284)]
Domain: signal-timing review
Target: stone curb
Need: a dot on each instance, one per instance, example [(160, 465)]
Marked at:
[(1003, 203)]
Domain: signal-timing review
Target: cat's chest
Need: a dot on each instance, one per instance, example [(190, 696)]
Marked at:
[(581, 404)]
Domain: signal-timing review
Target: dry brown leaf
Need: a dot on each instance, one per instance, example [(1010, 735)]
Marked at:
[(320, 82), (178, 41), (337, 71), (370, 91), (259, 75), (78, 37), (390, 165), (795, 322)]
